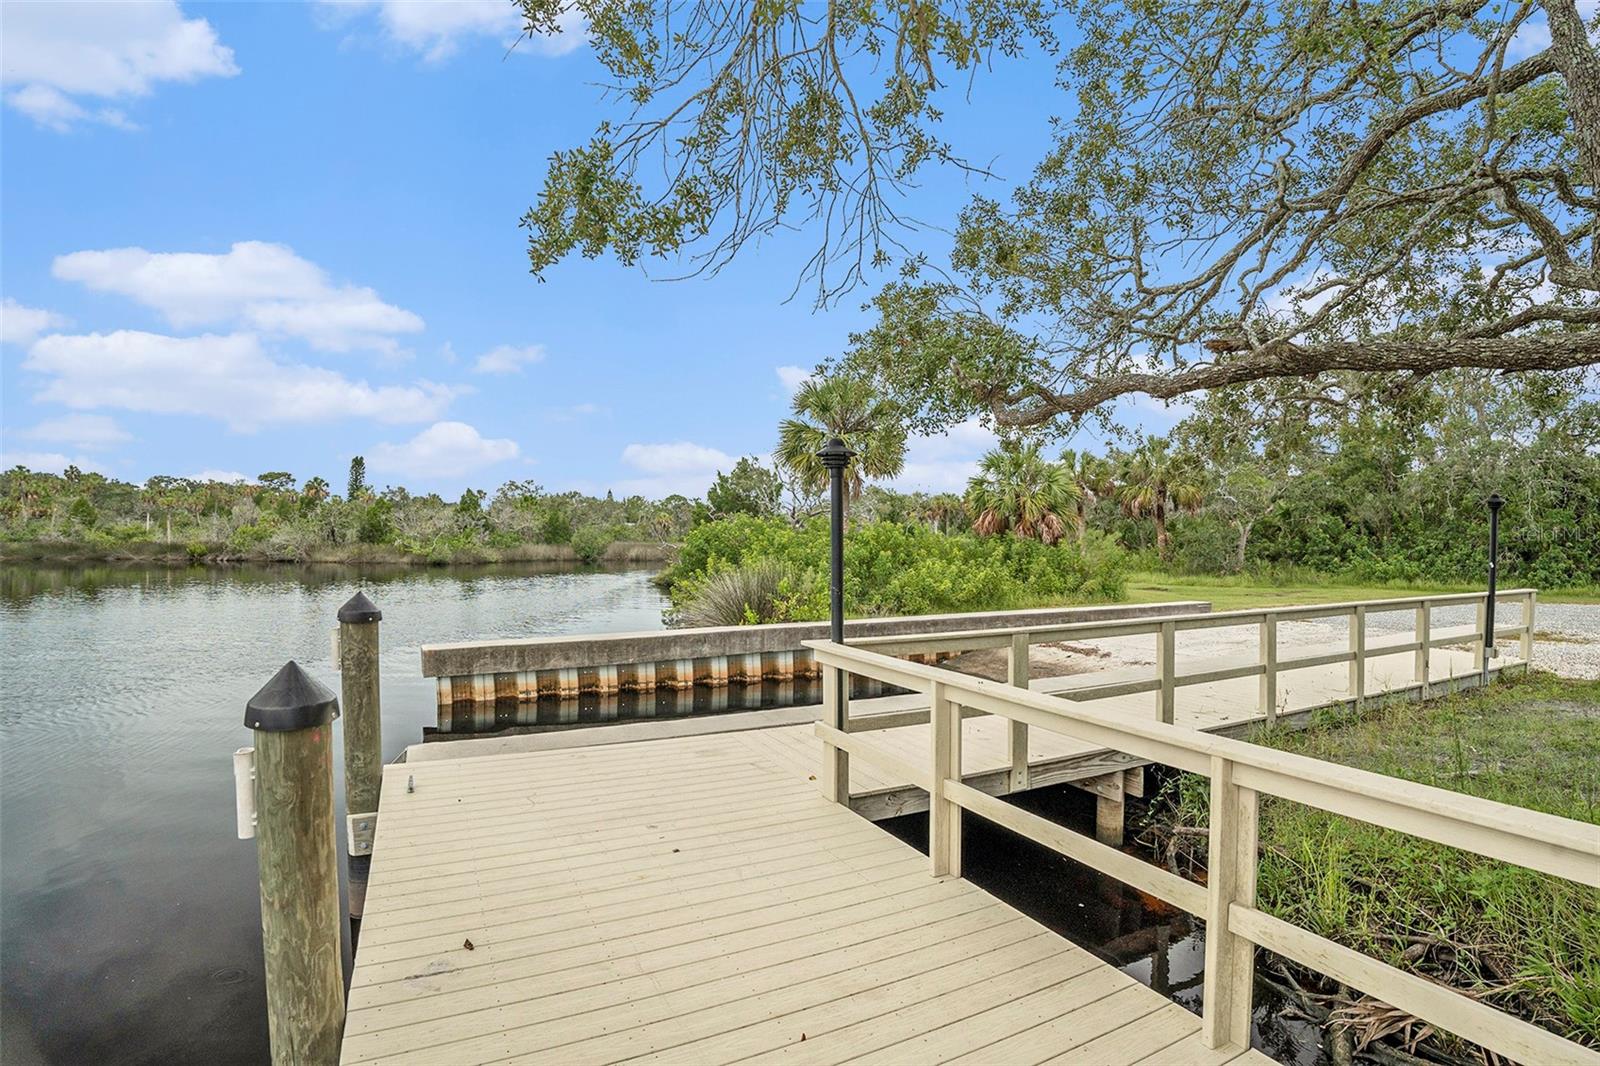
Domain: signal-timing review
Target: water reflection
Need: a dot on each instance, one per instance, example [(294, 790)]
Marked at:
[(128, 910), (1151, 941), (506, 716)]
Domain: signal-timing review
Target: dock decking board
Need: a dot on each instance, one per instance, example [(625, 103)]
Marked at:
[(695, 899), (696, 924)]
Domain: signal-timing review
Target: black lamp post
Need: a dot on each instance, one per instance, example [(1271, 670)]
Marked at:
[(836, 455), (1495, 503)]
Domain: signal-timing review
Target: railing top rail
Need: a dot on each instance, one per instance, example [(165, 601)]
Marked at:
[(1545, 842), (974, 638)]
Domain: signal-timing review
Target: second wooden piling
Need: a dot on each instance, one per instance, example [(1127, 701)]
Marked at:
[(363, 732)]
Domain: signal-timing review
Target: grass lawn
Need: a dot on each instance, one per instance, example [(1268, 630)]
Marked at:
[(1231, 593), (1524, 942)]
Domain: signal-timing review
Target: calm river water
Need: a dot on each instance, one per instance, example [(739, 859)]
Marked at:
[(129, 917)]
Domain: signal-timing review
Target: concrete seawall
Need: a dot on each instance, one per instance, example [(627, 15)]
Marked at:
[(527, 670)]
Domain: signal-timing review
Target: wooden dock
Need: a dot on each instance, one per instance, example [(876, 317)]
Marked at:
[(622, 894), (696, 900)]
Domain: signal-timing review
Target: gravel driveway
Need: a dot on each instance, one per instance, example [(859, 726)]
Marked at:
[(1567, 639)]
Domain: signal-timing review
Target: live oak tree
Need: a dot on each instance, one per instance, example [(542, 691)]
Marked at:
[(1235, 192)]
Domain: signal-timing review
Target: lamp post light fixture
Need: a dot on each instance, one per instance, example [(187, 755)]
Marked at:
[(1495, 502), (836, 455)]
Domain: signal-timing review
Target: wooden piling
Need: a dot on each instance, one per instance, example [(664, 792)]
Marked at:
[(292, 717), (363, 728)]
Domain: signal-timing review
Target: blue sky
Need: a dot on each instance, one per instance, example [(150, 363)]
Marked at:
[(242, 237)]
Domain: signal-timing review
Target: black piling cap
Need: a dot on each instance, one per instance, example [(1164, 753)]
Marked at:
[(360, 609), (1496, 501), (292, 700), (835, 454)]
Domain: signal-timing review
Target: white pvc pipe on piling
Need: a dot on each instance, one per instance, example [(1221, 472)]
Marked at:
[(244, 791)]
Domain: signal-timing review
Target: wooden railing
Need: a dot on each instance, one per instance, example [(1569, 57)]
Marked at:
[(1168, 678), (1239, 773)]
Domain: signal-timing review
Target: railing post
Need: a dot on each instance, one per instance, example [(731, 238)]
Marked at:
[(1482, 647), (944, 817), (1358, 649), (1422, 665), (1525, 640), (834, 779), (1269, 666), (1017, 673), (1166, 671), (1230, 878), (292, 717), (363, 737)]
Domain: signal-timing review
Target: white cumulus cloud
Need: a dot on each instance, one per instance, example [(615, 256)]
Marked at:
[(63, 62), (676, 458), (792, 377), (1533, 36), (436, 30), (508, 359), (48, 462), (255, 284), (20, 324), (227, 377), (678, 466), (91, 432), (943, 462), (443, 450), (227, 477)]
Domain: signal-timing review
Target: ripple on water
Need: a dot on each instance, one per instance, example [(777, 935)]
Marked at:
[(127, 907)]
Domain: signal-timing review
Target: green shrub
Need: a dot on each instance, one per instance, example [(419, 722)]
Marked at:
[(377, 523), (252, 535), (82, 513), (555, 526), (590, 544), (895, 569)]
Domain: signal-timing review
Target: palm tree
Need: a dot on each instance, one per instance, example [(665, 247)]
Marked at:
[(851, 409), (939, 509), (1094, 478), (312, 493), (1018, 489), (1157, 481)]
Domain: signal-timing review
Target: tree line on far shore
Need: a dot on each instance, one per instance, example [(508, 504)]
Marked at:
[(277, 518), (1249, 480)]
